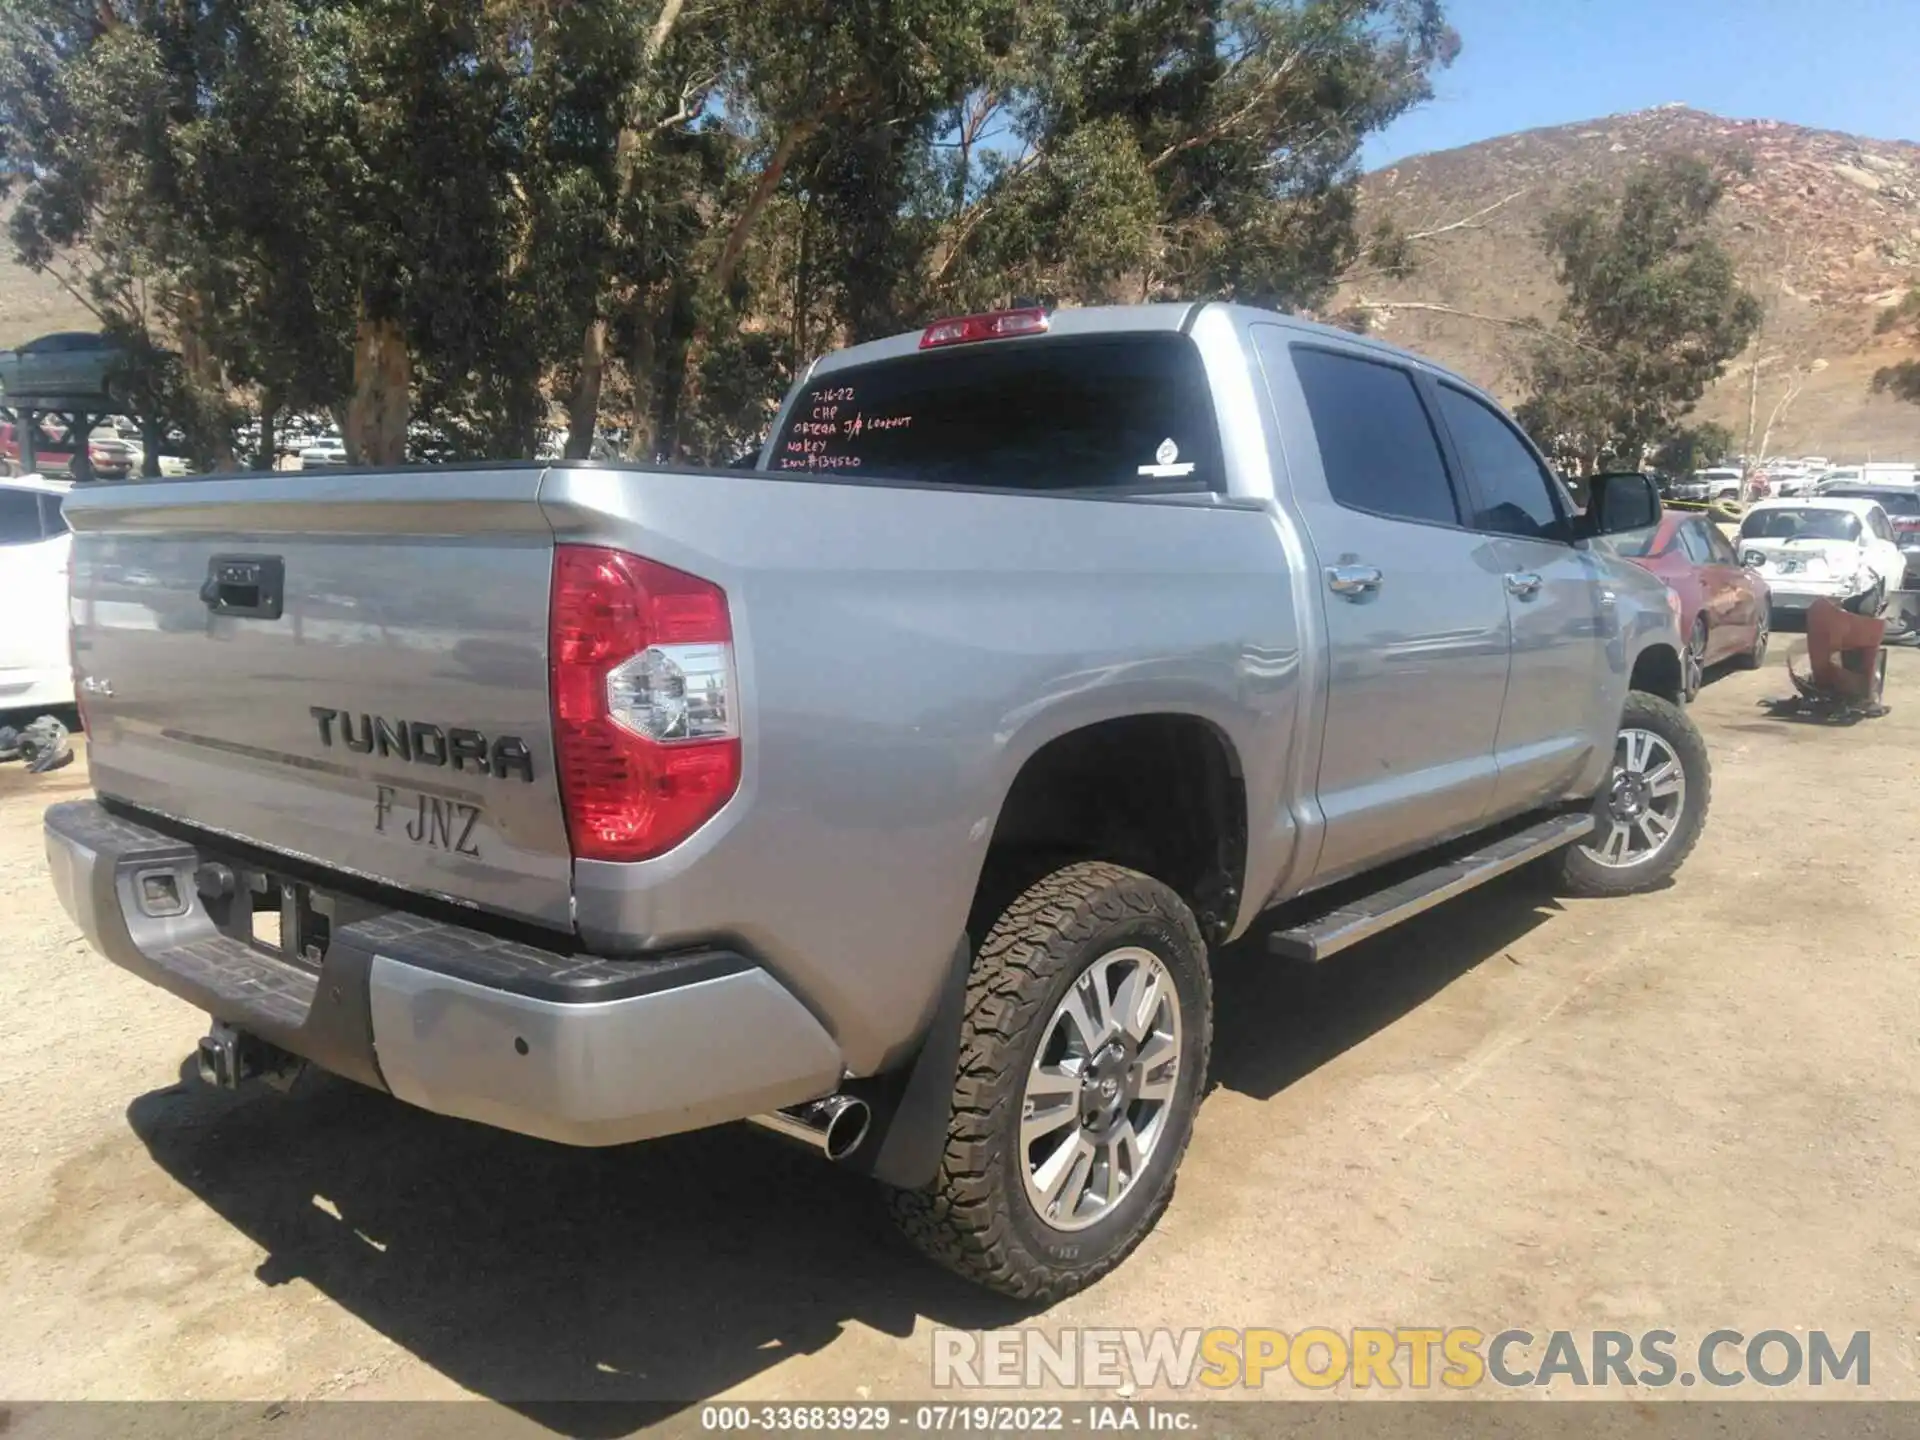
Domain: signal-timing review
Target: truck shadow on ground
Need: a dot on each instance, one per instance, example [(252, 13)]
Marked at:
[(642, 1280), (1276, 1021)]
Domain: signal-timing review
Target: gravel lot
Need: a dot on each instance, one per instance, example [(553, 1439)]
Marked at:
[(1690, 1110)]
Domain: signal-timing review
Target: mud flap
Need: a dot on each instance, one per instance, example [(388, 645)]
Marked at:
[(912, 1107)]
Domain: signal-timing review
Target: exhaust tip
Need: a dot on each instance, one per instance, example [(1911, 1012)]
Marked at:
[(846, 1129), (835, 1127)]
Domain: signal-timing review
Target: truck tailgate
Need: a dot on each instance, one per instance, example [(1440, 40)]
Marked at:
[(347, 668)]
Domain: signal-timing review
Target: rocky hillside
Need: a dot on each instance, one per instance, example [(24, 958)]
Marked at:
[(1827, 229), (32, 304)]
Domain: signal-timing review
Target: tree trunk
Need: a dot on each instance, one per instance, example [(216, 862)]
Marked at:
[(209, 382), (662, 27), (640, 370), (376, 428), (757, 202), (687, 389), (264, 454), (676, 386), (583, 408)]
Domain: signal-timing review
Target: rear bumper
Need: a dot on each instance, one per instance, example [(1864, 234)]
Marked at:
[(43, 688), (569, 1048), (1793, 593)]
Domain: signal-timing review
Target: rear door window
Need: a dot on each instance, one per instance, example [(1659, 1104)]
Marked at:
[(1377, 444), (1695, 543), (1515, 490), (1130, 411)]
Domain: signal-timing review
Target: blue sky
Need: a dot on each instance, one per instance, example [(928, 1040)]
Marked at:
[(1833, 64)]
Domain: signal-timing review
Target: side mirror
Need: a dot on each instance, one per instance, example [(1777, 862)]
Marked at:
[(1619, 502)]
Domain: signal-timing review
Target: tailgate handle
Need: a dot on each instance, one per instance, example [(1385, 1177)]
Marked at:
[(250, 586)]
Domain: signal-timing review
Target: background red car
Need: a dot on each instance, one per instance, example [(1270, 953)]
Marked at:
[(1723, 607), (110, 456)]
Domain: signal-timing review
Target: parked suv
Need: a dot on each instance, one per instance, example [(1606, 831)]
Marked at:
[(897, 794), (35, 670)]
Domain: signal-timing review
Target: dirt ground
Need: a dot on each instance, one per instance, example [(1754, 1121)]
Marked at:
[(1691, 1110)]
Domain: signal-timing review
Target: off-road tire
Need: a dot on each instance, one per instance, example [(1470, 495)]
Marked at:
[(1577, 873), (975, 1218)]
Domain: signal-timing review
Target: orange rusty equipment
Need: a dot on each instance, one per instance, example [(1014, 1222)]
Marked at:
[(1843, 650)]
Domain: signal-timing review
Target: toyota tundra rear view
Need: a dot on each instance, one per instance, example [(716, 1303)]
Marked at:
[(1045, 653)]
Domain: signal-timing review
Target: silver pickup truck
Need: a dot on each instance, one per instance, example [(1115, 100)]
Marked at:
[(894, 793)]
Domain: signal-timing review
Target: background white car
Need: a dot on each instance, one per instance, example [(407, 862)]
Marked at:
[(1818, 546), (1722, 482), (329, 452), (36, 672)]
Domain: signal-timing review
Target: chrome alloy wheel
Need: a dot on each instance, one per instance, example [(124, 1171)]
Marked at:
[(1644, 801), (1099, 1094)]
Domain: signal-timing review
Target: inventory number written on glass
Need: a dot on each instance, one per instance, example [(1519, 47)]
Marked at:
[(822, 462), (976, 1419)]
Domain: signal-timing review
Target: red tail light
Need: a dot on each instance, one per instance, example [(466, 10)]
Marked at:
[(645, 719), (998, 325)]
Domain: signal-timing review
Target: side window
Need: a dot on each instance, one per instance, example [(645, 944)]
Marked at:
[(1720, 547), (1516, 495), (51, 518), (19, 517), (1694, 542), (1377, 445), (1881, 530)]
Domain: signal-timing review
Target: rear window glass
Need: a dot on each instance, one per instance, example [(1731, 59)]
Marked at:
[(1807, 524), (1895, 502), (1073, 414), (19, 517)]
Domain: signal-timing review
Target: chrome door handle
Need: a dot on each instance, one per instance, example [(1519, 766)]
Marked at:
[(1526, 585), (1353, 581)]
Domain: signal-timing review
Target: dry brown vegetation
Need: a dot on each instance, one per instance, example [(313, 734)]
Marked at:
[(1826, 230)]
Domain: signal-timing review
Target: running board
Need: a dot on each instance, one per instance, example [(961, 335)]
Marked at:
[(1357, 920)]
